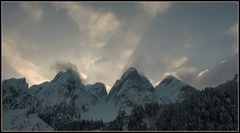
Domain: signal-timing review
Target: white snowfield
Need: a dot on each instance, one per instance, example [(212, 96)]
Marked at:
[(17, 120), (106, 111), (90, 101)]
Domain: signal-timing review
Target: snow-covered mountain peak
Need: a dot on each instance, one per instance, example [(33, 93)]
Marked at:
[(170, 77), (170, 80), (15, 83), (171, 89), (98, 85), (131, 71), (98, 89), (16, 94), (68, 76), (14, 87), (131, 90)]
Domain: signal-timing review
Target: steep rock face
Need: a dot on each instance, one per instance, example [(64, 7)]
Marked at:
[(131, 90), (69, 77), (16, 94), (171, 90), (98, 90)]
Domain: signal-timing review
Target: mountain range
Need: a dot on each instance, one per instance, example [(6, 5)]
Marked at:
[(66, 99)]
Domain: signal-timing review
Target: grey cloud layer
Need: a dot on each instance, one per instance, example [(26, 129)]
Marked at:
[(102, 40), (182, 44)]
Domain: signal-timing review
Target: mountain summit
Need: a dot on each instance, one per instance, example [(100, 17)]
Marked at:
[(69, 76), (131, 90), (171, 90)]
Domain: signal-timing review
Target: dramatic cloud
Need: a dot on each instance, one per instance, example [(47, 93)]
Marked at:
[(184, 45), (234, 31), (22, 66), (65, 66), (202, 72), (152, 8), (179, 62), (95, 40), (105, 41), (34, 10), (186, 73), (209, 77), (101, 40), (99, 26), (218, 74)]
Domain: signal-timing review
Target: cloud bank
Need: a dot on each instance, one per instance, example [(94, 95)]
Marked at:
[(191, 41)]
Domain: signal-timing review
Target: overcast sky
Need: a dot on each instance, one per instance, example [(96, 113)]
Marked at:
[(196, 42)]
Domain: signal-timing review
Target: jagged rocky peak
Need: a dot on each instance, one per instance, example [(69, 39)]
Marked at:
[(131, 90), (98, 89), (99, 85), (171, 90), (130, 72), (133, 73), (70, 73), (16, 94), (68, 76), (168, 80), (13, 83)]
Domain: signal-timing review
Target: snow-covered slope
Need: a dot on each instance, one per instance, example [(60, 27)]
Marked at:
[(17, 103), (17, 120), (103, 110), (131, 90), (66, 88), (63, 98), (171, 90), (66, 99)]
